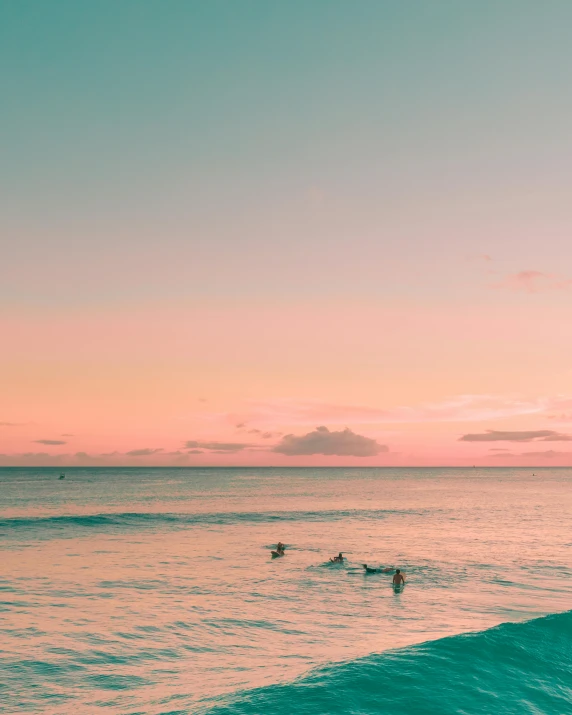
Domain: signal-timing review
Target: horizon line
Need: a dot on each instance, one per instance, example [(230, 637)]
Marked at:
[(283, 466)]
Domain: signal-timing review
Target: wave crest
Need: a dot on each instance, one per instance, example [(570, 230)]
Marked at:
[(128, 520), (514, 667)]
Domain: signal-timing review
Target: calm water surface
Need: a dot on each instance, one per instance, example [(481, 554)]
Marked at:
[(148, 592)]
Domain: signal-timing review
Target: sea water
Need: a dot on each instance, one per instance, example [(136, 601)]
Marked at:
[(153, 591)]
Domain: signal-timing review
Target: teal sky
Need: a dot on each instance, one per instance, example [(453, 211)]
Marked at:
[(270, 147)]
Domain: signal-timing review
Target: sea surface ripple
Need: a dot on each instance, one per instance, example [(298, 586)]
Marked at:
[(152, 591)]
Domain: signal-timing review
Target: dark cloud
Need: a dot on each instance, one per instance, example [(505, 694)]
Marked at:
[(543, 435), (344, 443), (37, 455), (49, 441), (143, 452), (196, 451), (218, 447), (67, 435)]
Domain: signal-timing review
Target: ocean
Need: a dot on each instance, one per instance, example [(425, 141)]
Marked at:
[(153, 591)]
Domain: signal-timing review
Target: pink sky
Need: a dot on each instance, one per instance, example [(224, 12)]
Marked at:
[(146, 379)]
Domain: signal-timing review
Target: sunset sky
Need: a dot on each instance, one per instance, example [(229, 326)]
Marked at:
[(296, 233)]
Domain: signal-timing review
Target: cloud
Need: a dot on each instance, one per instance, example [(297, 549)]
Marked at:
[(265, 434), (82, 455), (196, 451), (67, 435), (534, 282), (11, 424), (498, 449), (219, 447), (49, 441), (344, 443), (143, 452), (545, 435), (563, 417), (37, 455), (547, 454), (461, 408)]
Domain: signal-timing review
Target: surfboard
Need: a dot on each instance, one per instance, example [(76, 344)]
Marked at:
[(275, 554)]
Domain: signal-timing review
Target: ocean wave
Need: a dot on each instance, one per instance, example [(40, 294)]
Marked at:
[(149, 519), (513, 668)]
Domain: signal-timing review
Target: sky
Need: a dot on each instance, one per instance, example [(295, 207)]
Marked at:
[(303, 233)]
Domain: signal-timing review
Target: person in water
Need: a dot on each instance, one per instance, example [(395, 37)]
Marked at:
[(339, 559), (372, 569), (398, 579), (280, 548)]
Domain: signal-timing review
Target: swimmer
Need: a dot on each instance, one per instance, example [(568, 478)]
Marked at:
[(339, 559), (398, 579)]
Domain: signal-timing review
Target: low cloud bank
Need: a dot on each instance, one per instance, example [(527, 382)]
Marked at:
[(143, 452), (220, 447), (547, 454), (543, 435)]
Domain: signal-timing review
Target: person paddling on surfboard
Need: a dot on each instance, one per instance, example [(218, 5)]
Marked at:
[(371, 569)]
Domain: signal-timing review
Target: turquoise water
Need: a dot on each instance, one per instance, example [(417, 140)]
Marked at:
[(148, 592)]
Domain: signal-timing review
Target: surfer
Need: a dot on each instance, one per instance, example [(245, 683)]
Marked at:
[(279, 550), (371, 569), (398, 579), (339, 559)]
